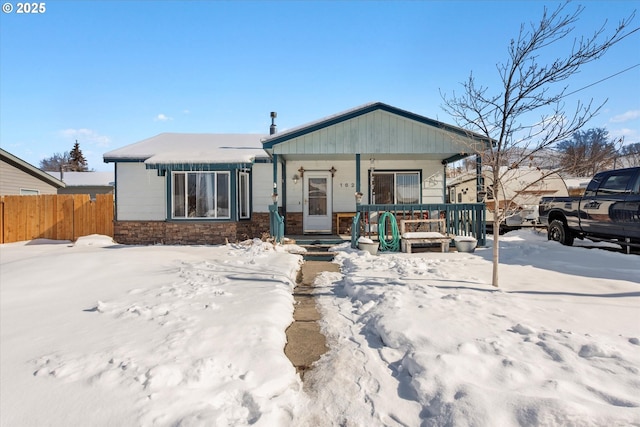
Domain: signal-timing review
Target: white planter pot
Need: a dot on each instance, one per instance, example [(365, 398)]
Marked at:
[(465, 244), (372, 248)]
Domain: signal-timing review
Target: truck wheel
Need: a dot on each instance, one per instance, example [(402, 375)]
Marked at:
[(558, 232)]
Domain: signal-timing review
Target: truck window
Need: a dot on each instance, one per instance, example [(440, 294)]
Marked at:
[(636, 188), (616, 183)]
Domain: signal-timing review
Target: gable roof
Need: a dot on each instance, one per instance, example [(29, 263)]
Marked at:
[(30, 169), (305, 129), (191, 148)]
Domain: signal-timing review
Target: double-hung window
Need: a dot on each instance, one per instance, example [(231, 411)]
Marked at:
[(201, 195), (395, 188)]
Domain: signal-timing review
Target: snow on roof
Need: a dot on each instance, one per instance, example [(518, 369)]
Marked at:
[(167, 148), (85, 179)]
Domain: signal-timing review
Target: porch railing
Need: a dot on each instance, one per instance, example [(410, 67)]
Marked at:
[(462, 219), (276, 224)]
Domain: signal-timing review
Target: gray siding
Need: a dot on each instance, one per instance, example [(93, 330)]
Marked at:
[(12, 180), (377, 132)]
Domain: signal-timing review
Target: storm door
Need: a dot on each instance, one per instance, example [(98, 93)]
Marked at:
[(317, 202)]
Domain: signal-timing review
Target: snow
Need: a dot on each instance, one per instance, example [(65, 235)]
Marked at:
[(84, 179), (95, 333), (196, 148)]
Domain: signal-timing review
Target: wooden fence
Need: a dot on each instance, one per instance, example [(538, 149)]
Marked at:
[(57, 217)]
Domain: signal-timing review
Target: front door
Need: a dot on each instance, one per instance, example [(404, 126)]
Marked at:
[(317, 202)]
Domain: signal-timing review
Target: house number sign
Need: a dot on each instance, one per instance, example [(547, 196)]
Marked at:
[(347, 185)]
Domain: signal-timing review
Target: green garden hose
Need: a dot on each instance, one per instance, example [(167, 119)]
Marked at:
[(393, 244)]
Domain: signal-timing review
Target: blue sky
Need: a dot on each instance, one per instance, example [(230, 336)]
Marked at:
[(111, 73)]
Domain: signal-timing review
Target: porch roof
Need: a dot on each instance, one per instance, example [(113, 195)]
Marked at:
[(376, 129)]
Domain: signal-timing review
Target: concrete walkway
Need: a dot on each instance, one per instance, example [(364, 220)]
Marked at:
[(305, 342)]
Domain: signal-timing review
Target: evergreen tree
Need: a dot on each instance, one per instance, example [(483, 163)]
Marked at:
[(77, 161)]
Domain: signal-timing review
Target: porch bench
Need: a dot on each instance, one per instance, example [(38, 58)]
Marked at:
[(424, 231), (344, 215)]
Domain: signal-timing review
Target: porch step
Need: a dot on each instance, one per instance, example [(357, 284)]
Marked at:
[(318, 255), (320, 247), (312, 241)]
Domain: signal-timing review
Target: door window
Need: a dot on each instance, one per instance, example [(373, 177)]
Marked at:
[(317, 196)]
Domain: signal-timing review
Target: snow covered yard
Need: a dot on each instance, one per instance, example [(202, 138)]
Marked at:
[(99, 334)]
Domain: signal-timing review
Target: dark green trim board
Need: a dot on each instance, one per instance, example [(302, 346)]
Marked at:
[(339, 118), (275, 174), (395, 171), (198, 167), (233, 198), (358, 173), (115, 191), (262, 160), (284, 190), (126, 160), (456, 158)]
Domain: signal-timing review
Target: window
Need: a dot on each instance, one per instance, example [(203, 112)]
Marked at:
[(28, 192), (616, 183), (201, 195), (243, 195), (395, 188)]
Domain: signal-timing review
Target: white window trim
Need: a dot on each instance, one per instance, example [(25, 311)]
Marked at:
[(29, 192)]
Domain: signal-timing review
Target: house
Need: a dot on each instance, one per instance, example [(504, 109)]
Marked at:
[(208, 188), (90, 183), (522, 189), (18, 177), (180, 188)]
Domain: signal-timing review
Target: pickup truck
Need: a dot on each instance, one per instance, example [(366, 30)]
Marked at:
[(609, 210)]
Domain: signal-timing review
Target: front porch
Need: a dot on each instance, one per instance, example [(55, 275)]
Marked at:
[(461, 219), (371, 161), (467, 219)]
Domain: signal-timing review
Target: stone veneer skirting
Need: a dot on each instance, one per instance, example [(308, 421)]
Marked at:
[(189, 232)]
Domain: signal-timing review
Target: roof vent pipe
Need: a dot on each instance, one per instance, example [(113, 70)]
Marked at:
[(273, 129)]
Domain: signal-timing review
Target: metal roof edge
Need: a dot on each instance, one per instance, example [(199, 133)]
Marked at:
[(124, 159)]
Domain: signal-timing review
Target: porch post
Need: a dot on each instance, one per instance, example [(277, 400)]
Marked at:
[(444, 181), (358, 173), (275, 178)]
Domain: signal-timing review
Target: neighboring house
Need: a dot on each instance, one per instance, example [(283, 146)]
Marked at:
[(522, 190), (208, 188), (18, 177), (90, 183)]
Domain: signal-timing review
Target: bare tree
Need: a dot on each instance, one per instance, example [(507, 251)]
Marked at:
[(629, 155), (587, 152), (56, 163), (530, 87)]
